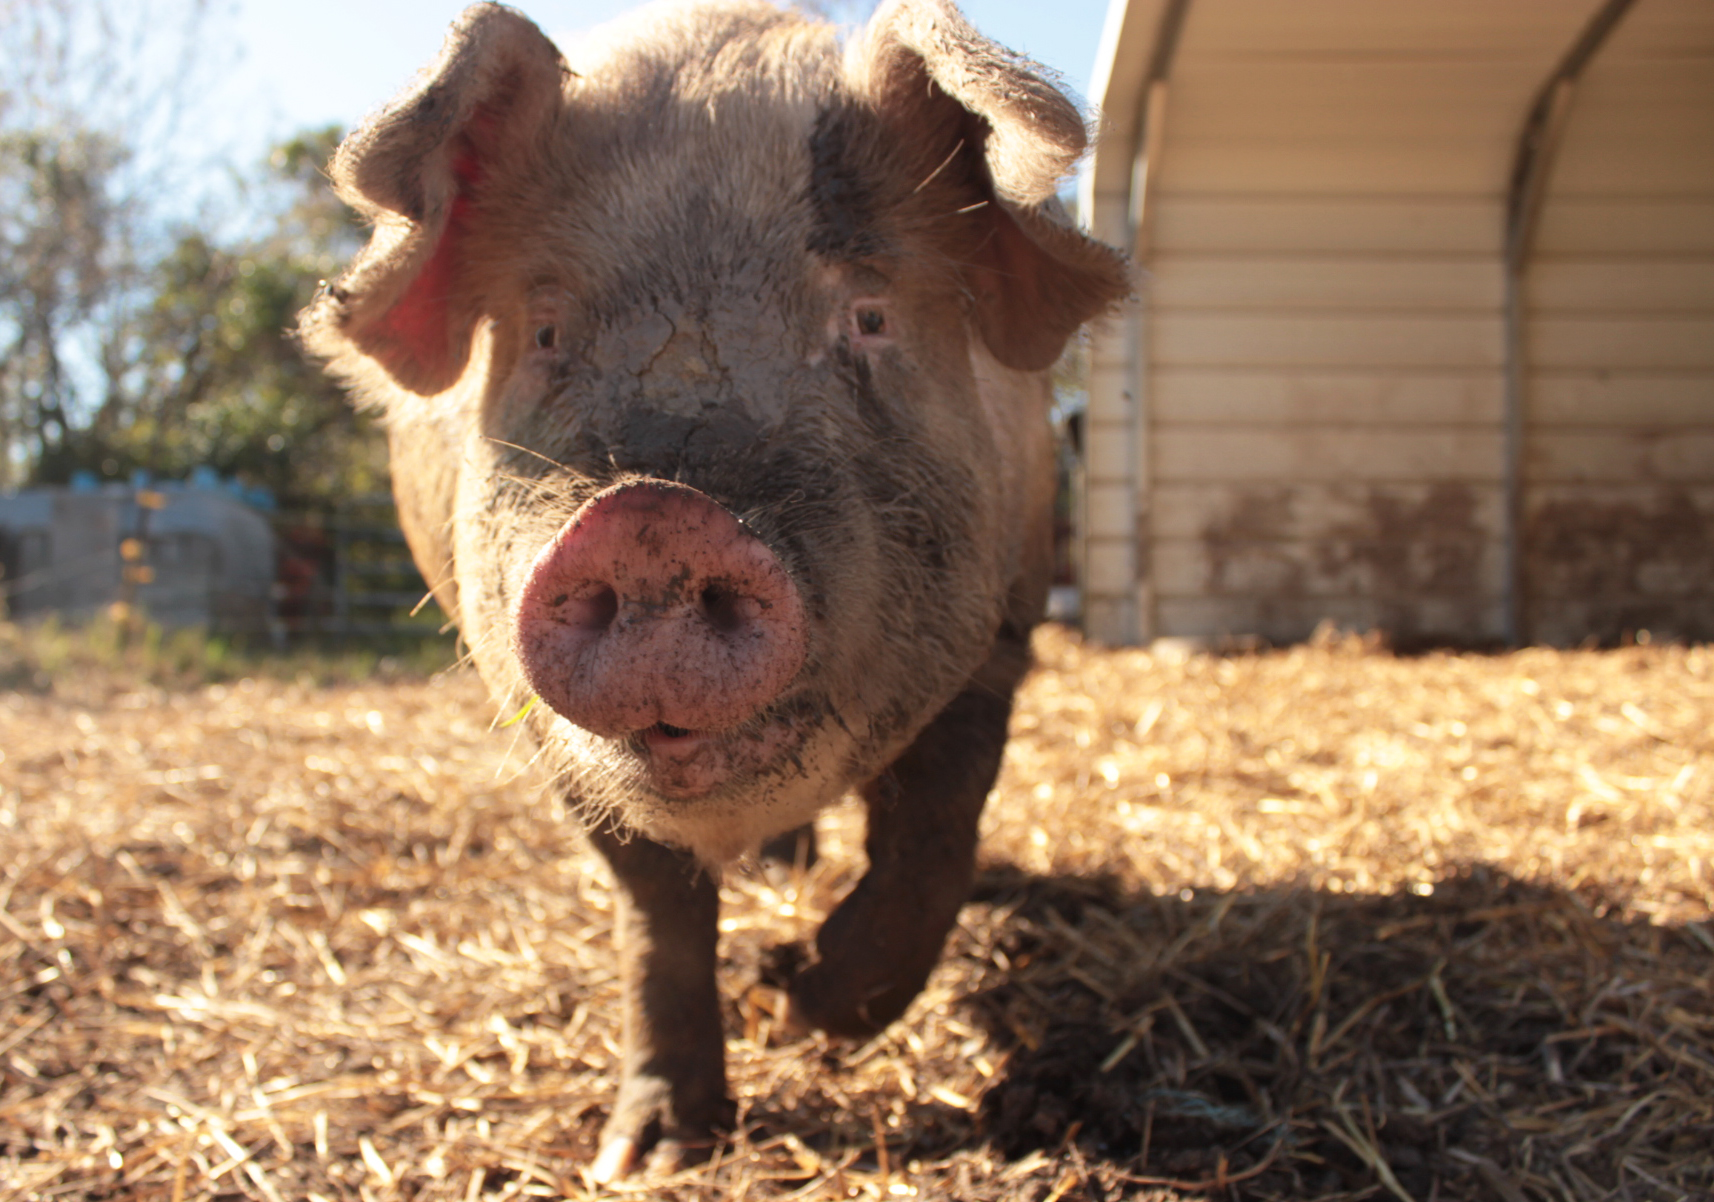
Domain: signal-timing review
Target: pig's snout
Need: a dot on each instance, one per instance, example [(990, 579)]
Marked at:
[(654, 606)]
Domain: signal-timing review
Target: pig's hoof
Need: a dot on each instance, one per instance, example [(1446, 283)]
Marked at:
[(648, 1131), (816, 1003), (620, 1156), (616, 1159)]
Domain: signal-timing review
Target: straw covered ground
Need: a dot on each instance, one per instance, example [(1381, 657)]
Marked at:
[(1322, 922)]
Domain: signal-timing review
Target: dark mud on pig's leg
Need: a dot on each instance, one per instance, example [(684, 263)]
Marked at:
[(672, 1097), (878, 946)]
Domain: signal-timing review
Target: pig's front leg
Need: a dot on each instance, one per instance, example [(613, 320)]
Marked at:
[(878, 946), (672, 1095)]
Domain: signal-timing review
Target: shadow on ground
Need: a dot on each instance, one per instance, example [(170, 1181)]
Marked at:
[(1492, 1039)]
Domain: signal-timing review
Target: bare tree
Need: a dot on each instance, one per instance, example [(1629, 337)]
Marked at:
[(90, 93)]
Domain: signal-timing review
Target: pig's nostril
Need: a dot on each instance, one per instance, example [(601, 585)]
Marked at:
[(593, 609), (603, 608), (728, 611)]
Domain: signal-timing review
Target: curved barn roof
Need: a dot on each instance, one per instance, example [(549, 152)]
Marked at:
[(1325, 95)]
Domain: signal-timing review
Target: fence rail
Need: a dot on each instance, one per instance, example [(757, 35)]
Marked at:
[(348, 573)]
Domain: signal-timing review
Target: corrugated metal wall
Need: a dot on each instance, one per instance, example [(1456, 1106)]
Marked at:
[(1318, 378), (1619, 463)]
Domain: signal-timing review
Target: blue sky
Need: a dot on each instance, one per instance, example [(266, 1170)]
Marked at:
[(313, 62)]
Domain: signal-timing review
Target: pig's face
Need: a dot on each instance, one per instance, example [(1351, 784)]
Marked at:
[(768, 397), (701, 321)]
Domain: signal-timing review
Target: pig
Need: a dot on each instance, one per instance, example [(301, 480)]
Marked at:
[(713, 363)]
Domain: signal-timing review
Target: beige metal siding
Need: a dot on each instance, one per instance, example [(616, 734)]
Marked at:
[(1309, 404), (1325, 335), (1620, 344), (1328, 398), (1112, 508), (1381, 226)]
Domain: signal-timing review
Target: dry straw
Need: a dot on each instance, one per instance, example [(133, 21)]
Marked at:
[(1316, 923)]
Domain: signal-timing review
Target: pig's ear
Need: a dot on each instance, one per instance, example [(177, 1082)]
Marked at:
[(420, 171), (946, 90)]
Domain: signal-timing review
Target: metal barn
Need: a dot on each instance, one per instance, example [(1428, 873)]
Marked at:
[(1424, 334), (187, 555)]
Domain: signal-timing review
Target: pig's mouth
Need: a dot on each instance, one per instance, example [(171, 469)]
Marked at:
[(681, 764)]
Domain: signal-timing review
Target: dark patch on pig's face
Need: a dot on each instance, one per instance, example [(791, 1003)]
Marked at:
[(840, 196), (596, 426), (681, 447), (858, 376)]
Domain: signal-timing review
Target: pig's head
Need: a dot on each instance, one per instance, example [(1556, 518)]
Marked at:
[(694, 328)]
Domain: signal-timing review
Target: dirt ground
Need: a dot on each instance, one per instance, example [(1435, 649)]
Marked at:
[(1313, 923)]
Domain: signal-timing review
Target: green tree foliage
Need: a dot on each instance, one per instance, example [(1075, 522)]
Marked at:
[(216, 379), (135, 332)]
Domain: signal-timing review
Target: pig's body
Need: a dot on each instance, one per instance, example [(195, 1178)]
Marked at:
[(714, 375)]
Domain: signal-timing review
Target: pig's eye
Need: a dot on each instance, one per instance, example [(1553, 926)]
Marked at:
[(871, 322), (546, 336)]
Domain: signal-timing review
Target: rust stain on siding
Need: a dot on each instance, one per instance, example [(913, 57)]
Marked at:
[(1600, 568), (1429, 547), (1415, 556)]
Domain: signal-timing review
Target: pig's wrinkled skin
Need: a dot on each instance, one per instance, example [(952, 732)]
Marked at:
[(714, 368)]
